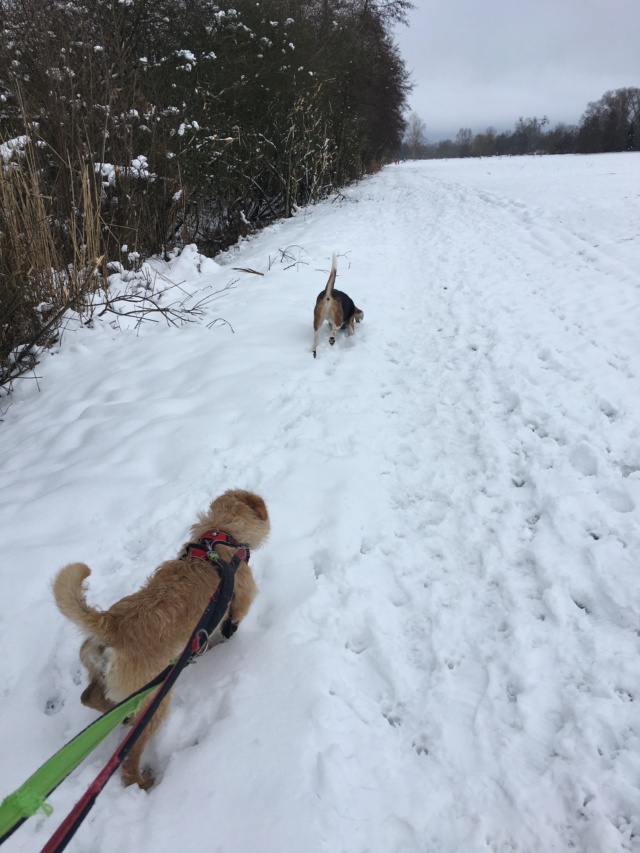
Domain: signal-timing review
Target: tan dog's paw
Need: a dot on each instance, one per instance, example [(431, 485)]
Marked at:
[(144, 779), (93, 697)]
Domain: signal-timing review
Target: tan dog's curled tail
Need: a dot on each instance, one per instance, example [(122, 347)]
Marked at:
[(69, 594), (332, 278)]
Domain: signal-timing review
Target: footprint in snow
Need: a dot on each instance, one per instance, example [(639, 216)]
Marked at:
[(53, 705), (321, 560), (584, 460), (420, 745), (608, 409), (618, 501), (392, 717)]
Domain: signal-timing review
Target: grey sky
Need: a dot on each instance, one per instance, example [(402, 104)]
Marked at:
[(476, 64)]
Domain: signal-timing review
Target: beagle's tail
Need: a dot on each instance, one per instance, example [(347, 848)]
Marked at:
[(332, 278)]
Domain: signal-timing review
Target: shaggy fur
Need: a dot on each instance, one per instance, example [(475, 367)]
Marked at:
[(129, 644), (335, 307)]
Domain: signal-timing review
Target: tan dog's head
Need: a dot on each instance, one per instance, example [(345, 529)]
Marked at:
[(241, 514)]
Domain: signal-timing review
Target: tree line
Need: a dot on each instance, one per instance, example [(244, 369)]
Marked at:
[(131, 127), (609, 124)]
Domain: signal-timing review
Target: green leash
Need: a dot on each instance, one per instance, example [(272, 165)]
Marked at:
[(30, 797)]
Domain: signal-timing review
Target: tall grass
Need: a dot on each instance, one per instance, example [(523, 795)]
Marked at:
[(37, 284)]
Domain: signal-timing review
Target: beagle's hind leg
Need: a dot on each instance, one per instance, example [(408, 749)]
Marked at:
[(318, 319)]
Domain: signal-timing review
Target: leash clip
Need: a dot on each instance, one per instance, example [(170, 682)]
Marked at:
[(199, 644)]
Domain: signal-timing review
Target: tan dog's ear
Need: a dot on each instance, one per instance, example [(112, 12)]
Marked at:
[(255, 503)]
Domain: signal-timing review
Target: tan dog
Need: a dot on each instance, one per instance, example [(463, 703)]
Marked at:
[(135, 639), (335, 307)]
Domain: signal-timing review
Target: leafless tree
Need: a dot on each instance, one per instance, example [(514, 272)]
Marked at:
[(415, 138)]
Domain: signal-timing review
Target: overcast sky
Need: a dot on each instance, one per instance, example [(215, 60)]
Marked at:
[(481, 63)]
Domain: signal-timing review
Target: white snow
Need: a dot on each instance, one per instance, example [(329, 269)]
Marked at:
[(138, 168), (445, 654), (11, 146)]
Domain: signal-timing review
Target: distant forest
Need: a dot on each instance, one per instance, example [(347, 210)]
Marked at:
[(610, 124)]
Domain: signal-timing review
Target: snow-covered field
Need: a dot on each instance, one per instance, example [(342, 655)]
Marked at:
[(445, 654)]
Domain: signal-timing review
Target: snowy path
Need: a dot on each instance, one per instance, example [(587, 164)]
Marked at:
[(445, 653)]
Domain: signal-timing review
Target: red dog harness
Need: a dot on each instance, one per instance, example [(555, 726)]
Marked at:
[(205, 548)]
